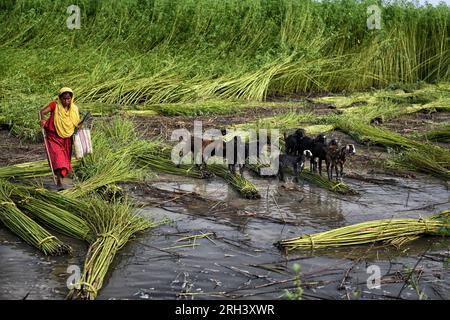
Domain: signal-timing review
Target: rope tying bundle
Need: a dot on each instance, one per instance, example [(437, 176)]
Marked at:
[(108, 234), (25, 199), (7, 203), (312, 241), (41, 243), (427, 230), (89, 288)]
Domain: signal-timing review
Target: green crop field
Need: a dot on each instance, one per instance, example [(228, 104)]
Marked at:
[(139, 52)]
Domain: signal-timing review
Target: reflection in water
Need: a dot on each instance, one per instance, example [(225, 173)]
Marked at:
[(238, 259)]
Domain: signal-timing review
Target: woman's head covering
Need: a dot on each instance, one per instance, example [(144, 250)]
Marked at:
[(66, 121), (64, 90)]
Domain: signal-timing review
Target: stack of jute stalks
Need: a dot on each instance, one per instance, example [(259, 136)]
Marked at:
[(242, 185), (323, 182), (113, 223), (26, 170), (391, 231), (25, 227)]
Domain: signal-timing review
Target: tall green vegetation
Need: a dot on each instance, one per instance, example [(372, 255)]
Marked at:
[(155, 51)]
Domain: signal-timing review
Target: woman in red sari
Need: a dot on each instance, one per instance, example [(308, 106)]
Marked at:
[(59, 128)]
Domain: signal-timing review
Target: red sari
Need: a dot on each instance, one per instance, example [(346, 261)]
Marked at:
[(59, 149)]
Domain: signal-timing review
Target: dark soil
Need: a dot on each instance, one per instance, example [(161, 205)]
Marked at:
[(417, 124), (152, 126), (367, 158), (13, 150)]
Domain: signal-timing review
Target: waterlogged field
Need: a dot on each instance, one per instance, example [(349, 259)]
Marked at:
[(378, 79)]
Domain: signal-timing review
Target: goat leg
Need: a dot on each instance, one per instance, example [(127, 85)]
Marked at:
[(329, 172), (296, 172), (281, 174)]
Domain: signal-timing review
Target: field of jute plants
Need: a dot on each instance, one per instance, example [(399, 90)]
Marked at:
[(147, 52)]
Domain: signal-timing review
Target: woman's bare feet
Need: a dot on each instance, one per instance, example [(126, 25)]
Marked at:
[(59, 181)]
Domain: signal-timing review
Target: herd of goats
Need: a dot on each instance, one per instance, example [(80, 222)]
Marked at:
[(298, 149)]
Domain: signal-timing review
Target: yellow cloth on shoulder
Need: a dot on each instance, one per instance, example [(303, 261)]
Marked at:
[(66, 121)]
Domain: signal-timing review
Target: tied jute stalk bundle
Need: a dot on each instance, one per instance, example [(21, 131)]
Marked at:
[(392, 231), (417, 156), (421, 162), (315, 179), (242, 185), (52, 210), (321, 181), (114, 224), (26, 170), (161, 163), (27, 229)]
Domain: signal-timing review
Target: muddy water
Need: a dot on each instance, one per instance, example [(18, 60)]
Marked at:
[(234, 256)]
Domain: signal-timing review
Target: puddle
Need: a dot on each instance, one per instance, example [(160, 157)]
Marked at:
[(237, 258)]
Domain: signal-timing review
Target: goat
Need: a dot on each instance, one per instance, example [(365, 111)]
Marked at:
[(291, 141), (298, 163), (237, 156), (206, 145), (321, 152), (348, 150), (307, 143), (332, 155)]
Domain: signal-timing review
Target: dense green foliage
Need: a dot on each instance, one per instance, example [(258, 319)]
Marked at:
[(135, 51)]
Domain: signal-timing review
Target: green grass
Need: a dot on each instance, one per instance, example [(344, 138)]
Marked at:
[(147, 52), (289, 120)]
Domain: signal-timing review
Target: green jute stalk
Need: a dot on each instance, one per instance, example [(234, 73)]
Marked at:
[(393, 231), (114, 224), (52, 214), (26, 170), (27, 229), (321, 181), (242, 185)]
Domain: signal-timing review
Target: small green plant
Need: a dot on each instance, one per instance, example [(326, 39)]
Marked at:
[(297, 293), (357, 293), (413, 282)]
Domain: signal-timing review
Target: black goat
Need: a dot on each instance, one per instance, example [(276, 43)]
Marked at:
[(308, 143), (236, 153), (297, 162), (321, 152), (291, 141)]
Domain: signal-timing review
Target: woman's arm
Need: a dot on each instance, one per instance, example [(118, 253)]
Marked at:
[(42, 114)]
